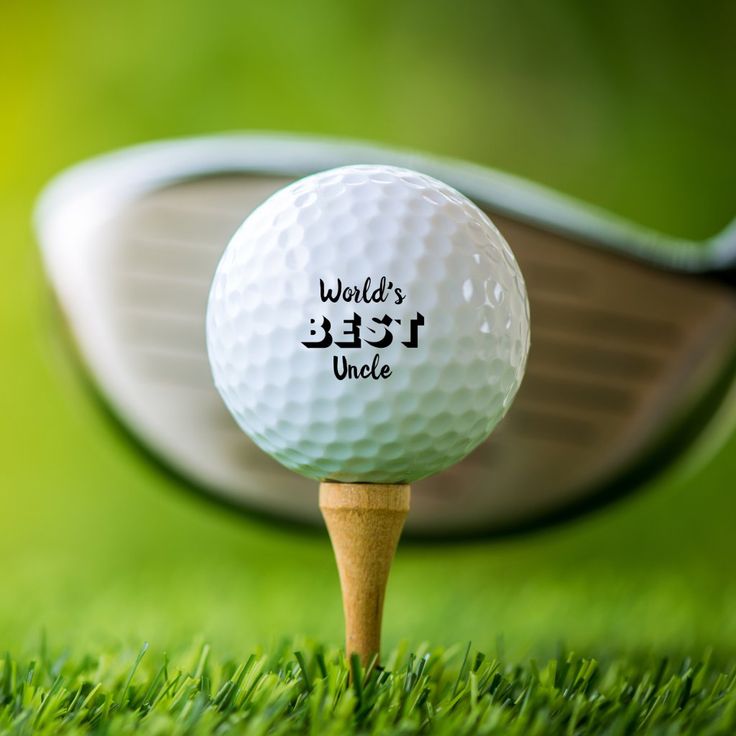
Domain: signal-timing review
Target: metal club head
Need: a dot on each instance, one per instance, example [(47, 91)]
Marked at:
[(633, 333)]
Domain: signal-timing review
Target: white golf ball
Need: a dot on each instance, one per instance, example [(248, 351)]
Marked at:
[(368, 324)]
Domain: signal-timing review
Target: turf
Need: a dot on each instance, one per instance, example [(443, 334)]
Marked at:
[(451, 691)]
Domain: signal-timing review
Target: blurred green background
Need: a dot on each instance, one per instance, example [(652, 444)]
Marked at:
[(628, 106)]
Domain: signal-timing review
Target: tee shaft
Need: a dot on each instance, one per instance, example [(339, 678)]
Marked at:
[(364, 521)]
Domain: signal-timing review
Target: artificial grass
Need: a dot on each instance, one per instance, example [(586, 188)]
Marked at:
[(310, 690)]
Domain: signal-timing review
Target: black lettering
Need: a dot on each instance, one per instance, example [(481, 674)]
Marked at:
[(326, 339), (328, 294)]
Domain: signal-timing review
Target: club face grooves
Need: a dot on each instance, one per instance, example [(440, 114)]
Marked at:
[(623, 357)]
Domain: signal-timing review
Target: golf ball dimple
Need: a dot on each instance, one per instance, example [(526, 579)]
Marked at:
[(368, 324)]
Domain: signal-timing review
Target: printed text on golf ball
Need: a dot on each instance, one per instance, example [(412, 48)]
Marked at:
[(379, 327)]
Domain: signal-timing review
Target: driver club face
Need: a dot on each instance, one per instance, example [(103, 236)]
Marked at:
[(623, 356)]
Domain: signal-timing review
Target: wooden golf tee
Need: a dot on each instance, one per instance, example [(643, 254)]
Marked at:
[(364, 521)]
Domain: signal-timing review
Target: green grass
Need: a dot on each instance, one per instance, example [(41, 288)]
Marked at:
[(313, 690)]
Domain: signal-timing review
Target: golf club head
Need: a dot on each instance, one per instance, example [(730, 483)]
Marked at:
[(633, 333)]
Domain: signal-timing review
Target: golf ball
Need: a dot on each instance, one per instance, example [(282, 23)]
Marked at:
[(368, 324)]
